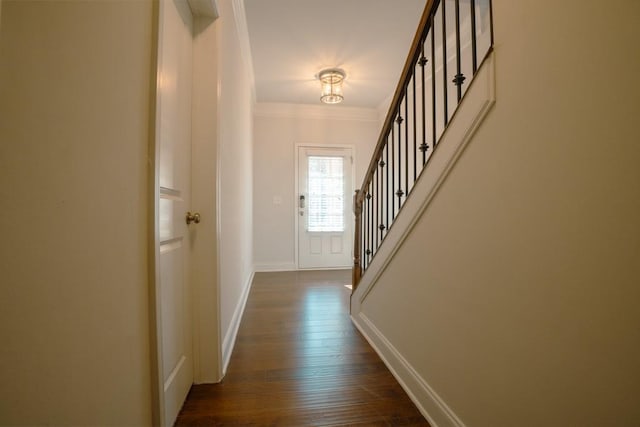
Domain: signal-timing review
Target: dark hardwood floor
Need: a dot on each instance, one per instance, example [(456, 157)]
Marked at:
[(299, 360)]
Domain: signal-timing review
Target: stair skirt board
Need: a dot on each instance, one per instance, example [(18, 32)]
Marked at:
[(430, 405)]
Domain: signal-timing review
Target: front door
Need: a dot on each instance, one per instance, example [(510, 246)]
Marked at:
[(173, 133), (324, 200)]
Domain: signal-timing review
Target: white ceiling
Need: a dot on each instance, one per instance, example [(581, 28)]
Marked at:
[(292, 40)]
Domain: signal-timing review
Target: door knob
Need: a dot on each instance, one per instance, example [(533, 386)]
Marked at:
[(193, 217)]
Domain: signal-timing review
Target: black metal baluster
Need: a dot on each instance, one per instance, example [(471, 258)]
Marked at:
[(415, 130), (363, 227), (399, 193), (459, 78), (491, 21), (367, 202), (406, 140), (434, 130), (423, 145), (376, 197), (370, 231), (392, 166), (474, 59), (380, 207), (387, 186), (383, 186), (444, 63)]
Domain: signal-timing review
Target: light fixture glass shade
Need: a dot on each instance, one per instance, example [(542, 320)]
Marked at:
[(331, 80)]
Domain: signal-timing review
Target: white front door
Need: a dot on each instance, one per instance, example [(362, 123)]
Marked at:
[(324, 200), (173, 133)]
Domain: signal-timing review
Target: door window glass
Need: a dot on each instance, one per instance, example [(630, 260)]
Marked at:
[(326, 194)]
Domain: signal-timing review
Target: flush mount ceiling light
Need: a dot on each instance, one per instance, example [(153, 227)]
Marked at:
[(331, 80)]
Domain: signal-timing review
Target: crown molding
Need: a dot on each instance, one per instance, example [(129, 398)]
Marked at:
[(307, 111)]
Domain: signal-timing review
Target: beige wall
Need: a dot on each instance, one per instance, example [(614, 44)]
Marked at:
[(222, 186), (516, 297), (74, 120), (234, 175), (276, 136), (204, 154)]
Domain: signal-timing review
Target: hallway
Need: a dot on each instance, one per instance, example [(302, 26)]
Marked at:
[(299, 360)]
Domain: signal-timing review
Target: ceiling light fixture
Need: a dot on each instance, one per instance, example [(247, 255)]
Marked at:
[(331, 80)]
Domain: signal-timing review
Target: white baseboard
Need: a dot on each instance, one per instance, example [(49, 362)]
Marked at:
[(430, 405), (285, 266), (230, 337)]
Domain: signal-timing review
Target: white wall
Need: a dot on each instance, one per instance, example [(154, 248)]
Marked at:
[(277, 130), (515, 297), (75, 87), (235, 175)]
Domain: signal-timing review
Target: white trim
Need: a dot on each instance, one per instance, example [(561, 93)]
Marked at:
[(269, 266), (308, 111), (340, 267), (232, 333), (470, 113), (240, 16), (173, 374), (430, 405)]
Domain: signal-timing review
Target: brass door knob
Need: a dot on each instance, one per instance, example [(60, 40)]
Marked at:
[(193, 217)]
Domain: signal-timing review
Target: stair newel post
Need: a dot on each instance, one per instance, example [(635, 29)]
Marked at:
[(357, 210)]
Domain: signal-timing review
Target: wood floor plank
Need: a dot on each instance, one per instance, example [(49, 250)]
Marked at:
[(299, 361)]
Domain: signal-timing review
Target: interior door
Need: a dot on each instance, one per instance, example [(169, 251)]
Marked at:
[(324, 200), (173, 293)]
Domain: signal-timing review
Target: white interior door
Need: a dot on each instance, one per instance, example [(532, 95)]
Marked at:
[(173, 293), (324, 200)]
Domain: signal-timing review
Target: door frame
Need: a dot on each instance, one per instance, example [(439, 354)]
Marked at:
[(296, 170), (158, 414), (153, 223)]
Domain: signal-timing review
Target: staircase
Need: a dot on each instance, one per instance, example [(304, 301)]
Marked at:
[(453, 41), (497, 268), (445, 91)]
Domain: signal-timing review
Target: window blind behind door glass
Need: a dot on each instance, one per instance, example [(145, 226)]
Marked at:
[(326, 194)]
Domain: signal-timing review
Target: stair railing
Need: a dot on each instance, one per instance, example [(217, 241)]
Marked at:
[(453, 38)]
